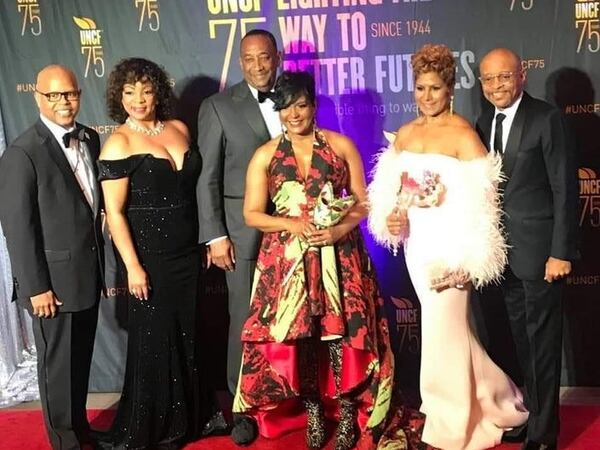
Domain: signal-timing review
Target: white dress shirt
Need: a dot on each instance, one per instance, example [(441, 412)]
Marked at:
[(78, 157), (510, 113), (270, 116)]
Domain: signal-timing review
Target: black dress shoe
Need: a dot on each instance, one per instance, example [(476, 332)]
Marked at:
[(517, 434), (216, 426), (532, 445), (244, 430)]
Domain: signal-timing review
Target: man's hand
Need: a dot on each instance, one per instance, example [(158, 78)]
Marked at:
[(556, 269), (45, 304), (397, 221), (206, 258), (222, 254)]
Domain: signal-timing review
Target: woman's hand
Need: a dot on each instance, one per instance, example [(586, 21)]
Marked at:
[(137, 281), (397, 221), (457, 279), (326, 236), (300, 228)]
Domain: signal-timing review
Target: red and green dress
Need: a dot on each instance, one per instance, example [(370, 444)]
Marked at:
[(302, 292)]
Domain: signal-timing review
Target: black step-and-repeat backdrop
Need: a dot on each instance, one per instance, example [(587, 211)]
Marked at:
[(359, 51)]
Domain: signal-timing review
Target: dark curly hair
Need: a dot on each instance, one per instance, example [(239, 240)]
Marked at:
[(130, 71), (436, 58), (290, 86)]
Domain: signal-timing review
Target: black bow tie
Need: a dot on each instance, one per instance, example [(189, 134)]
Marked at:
[(262, 96), (77, 133)]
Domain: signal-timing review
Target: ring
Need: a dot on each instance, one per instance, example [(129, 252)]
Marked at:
[(458, 286)]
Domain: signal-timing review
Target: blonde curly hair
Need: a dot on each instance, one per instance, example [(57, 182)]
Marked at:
[(436, 58)]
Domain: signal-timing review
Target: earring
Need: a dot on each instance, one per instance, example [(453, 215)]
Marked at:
[(451, 104), (418, 110)]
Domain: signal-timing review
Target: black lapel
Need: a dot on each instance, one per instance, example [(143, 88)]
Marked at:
[(249, 108), (513, 144), (58, 156), (485, 125)]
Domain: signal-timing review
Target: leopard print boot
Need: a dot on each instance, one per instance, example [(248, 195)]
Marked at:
[(345, 435), (309, 390), (315, 424)]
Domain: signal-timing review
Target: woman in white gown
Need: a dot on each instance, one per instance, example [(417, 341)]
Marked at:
[(435, 191)]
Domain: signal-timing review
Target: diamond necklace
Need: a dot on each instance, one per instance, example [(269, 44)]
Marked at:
[(147, 131)]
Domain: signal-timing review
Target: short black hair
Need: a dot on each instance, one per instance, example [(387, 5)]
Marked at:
[(130, 71), (290, 86), (261, 32)]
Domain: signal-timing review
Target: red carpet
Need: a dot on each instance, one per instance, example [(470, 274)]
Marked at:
[(24, 430)]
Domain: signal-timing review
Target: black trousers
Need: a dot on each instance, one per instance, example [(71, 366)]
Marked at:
[(64, 354), (535, 315)]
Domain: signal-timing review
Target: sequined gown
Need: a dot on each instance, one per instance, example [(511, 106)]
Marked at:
[(163, 399)]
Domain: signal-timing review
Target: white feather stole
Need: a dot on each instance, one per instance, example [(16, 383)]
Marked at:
[(468, 233)]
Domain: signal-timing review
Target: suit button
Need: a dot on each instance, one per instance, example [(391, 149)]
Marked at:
[(93, 248)]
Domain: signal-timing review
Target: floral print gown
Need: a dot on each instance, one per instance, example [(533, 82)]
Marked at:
[(323, 293)]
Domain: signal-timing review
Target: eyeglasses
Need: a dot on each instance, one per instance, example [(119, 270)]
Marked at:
[(503, 77), (56, 96)]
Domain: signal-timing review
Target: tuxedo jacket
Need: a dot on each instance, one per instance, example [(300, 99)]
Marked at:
[(540, 194), (230, 128), (54, 237)]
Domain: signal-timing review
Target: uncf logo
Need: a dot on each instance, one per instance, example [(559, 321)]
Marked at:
[(90, 38), (407, 324), (32, 19), (589, 197)]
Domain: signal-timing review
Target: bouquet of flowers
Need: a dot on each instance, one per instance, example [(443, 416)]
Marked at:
[(426, 192)]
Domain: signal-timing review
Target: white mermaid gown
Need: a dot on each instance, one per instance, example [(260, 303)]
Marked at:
[(467, 399)]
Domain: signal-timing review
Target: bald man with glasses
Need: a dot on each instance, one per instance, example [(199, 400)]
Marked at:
[(540, 201), (50, 214)]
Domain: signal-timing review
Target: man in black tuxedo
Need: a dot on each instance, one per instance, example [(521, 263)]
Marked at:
[(540, 201), (231, 125), (49, 209)]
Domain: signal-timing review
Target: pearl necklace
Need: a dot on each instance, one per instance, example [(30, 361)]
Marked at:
[(147, 131)]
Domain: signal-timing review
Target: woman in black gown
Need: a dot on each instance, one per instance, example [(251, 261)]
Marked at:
[(148, 177)]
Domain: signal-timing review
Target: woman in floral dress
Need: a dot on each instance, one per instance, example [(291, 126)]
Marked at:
[(316, 335)]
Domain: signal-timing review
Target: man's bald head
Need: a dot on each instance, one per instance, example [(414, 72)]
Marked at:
[(504, 54), (54, 71), (59, 79), (502, 77)]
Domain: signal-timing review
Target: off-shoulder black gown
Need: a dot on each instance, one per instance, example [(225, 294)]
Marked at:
[(164, 399)]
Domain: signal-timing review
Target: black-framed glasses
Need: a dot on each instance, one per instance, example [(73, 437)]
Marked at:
[(56, 96), (503, 77)]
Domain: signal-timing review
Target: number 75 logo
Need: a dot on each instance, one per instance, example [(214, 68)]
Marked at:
[(31, 16)]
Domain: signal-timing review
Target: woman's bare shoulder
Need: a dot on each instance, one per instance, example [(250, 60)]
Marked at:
[(337, 139), (179, 126), (402, 135), (117, 145), (468, 144), (266, 151)]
